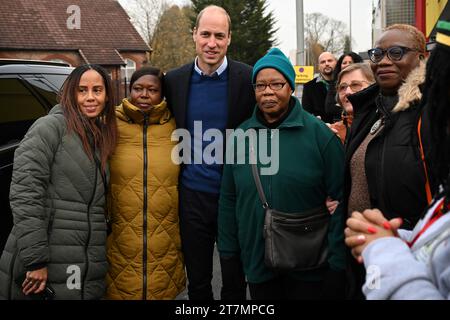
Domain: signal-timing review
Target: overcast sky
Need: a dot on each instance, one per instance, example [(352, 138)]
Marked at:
[(284, 12)]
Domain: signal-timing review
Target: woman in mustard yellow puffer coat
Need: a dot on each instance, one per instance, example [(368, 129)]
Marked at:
[(144, 247)]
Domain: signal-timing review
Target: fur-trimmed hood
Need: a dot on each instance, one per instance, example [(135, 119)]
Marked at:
[(410, 91)]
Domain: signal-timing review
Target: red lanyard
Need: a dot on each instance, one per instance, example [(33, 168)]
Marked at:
[(438, 212)]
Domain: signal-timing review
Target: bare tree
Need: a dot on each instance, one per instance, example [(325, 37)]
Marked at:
[(323, 33), (145, 15)]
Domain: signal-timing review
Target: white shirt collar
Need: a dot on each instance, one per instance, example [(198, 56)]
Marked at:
[(219, 70)]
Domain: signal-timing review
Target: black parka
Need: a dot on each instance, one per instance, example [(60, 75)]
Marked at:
[(394, 169)]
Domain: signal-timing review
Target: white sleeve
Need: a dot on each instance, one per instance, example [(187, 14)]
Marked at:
[(394, 273), (405, 234)]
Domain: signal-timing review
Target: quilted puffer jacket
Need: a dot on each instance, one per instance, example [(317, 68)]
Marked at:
[(144, 248), (57, 200)]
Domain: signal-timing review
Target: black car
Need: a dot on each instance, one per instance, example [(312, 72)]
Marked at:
[(28, 90)]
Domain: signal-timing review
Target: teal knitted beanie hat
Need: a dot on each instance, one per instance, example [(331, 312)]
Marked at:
[(277, 60)]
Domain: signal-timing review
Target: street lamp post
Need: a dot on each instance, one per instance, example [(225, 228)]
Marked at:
[(300, 34), (350, 22)]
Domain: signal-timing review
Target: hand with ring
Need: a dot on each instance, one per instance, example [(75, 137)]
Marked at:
[(35, 281)]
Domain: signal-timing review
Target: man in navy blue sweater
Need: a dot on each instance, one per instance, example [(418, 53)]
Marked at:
[(212, 92)]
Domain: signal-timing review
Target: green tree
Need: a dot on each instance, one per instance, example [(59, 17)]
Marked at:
[(347, 44), (172, 40), (251, 25)]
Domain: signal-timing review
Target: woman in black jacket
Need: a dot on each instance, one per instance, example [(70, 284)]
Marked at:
[(383, 165), (425, 251)]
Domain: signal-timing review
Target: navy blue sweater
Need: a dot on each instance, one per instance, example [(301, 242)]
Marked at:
[(208, 104)]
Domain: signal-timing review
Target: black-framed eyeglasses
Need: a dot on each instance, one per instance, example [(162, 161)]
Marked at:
[(275, 86), (394, 53)]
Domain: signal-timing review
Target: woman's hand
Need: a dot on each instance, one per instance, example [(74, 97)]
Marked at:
[(331, 205), (363, 228), (35, 281), (332, 128), (340, 129)]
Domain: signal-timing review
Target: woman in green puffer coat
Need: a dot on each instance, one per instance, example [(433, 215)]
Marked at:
[(56, 249)]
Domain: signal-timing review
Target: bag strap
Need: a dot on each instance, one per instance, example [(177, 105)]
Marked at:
[(259, 187), (427, 182)]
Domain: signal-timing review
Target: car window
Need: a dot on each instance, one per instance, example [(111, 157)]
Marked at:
[(26, 94), (19, 108), (42, 87), (56, 80)]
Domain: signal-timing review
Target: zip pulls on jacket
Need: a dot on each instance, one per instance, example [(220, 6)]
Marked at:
[(385, 117), (144, 213), (105, 193), (88, 214)]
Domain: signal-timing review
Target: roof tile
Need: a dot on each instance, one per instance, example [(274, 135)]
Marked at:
[(42, 25)]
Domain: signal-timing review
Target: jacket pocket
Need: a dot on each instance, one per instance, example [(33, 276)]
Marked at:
[(17, 272)]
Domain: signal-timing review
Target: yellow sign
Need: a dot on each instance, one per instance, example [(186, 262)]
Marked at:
[(303, 74), (433, 11)]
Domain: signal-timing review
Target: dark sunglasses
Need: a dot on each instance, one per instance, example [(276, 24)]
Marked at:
[(395, 53)]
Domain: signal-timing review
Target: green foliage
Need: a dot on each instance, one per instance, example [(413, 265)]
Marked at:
[(172, 41), (252, 27), (347, 44)]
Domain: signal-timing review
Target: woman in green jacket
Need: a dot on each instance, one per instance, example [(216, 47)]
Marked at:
[(56, 249), (309, 169)]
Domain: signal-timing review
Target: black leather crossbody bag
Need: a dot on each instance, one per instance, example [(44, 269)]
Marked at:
[(293, 241)]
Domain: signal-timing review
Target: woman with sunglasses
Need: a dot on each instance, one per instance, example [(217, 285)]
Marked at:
[(383, 165)]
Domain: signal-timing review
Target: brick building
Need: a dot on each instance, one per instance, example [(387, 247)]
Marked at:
[(75, 32)]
